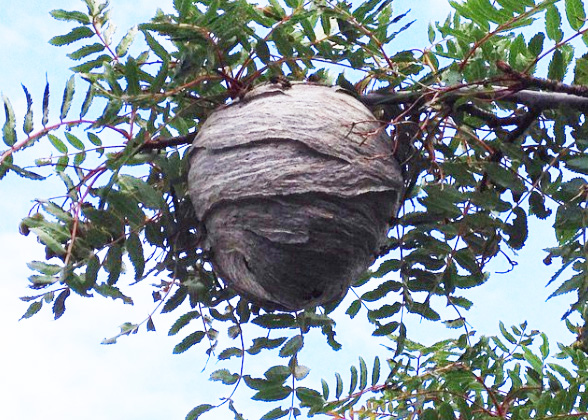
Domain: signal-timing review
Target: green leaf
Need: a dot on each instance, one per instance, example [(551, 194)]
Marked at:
[(262, 51), (112, 292), (176, 300), (224, 375), (123, 47), (272, 393), (28, 121), (518, 230), (68, 16), (32, 309), (557, 66), (57, 143), (86, 50), (9, 128), (533, 360), (74, 141), (67, 97), (182, 321), (272, 321), (353, 308), (375, 371), (94, 139), (141, 191), (113, 263), (76, 34), (44, 268), (189, 341), (134, 249), (339, 386), (59, 305), (156, 47), (265, 343), (553, 24), (276, 413), (575, 13), (292, 346), (196, 412), (353, 384), (45, 119), (230, 352), (309, 397), (325, 387), (386, 329), (363, 374), (132, 76), (49, 239)]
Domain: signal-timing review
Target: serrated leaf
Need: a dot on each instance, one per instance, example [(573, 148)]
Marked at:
[(44, 268), (59, 304), (386, 329), (76, 34), (123, 47), (156, 47), (553, 24), (224, 376), (272, 393), (112, 292), (66, 15), (32, 310), (182, 321), (132, 77), (28, 120), (575, 14), (292, 346), (353, 308), (134, 249), (375, 371), (141, 191), (9, 128), (176, 300), (86, 50), (49, 240), (192, 339), (265, 343), (45, 119), (275, 321), (557, 67), (92, 64), (86, 104), (276, 413), (196, 412), (363, 374), (262, 51), (68, 93), (113, 263), (230, 352), (518, 230)]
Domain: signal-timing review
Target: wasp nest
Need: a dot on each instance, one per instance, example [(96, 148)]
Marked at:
[(295, 185)]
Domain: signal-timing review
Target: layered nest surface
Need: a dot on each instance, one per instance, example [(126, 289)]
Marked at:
[(296, 186)]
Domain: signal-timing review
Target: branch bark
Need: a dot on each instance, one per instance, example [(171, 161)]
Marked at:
[(532, 98)]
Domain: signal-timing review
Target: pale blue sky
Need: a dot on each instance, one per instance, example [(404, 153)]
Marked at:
[(58, 370)]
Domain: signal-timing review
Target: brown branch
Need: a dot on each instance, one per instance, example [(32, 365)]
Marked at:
[(535, 99), (162, 143)]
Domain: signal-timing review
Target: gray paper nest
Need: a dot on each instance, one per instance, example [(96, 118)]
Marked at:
[(296, 186)]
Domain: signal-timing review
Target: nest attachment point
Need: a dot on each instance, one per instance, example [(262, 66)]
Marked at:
[(295, 185)]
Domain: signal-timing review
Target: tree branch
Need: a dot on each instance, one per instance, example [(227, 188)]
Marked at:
[(532, 98)]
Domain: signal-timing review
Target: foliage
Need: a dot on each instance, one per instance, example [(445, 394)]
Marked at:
[(485, 144)]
